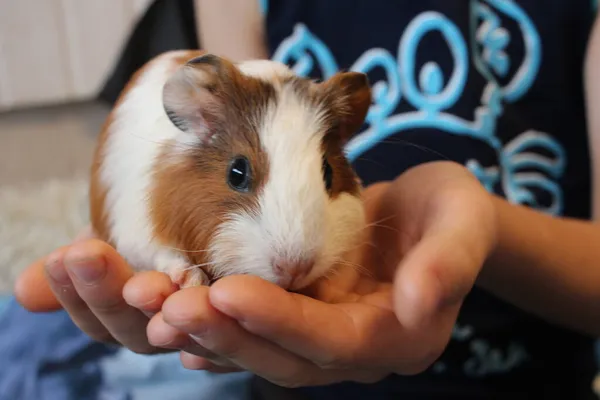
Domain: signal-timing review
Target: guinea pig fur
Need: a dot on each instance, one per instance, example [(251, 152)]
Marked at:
[(207, 168)]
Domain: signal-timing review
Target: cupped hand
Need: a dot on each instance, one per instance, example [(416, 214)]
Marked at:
[(90, 281), (429, 233)]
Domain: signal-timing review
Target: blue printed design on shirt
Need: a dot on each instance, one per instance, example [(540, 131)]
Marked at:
[(264, 6), (520, 169)]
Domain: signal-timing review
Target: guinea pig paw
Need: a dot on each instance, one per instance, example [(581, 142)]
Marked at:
[(194, 277), (180, 271)]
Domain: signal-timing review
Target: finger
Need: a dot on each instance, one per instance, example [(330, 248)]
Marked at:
[(459, 237), (333, 336), (431, 280), (161, 334), (33, 291), (99, 274), (441, 269), (374, 191), (164, 335), (429, 287), (148, 290), (190, 311), (64, 291), (193, 362)]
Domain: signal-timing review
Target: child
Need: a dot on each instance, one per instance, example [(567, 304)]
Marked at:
[(496, 295)]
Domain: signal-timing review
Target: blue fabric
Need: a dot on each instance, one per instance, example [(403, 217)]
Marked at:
[(158, 377), (46, 357), (4, 301)]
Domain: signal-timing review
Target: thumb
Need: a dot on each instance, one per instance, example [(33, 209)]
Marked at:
[(432, 281)]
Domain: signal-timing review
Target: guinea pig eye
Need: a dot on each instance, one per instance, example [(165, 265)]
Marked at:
[(327, 174), (238, 175)]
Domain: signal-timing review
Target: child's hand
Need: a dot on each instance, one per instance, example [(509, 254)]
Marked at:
[(89, 280), (431, 231)]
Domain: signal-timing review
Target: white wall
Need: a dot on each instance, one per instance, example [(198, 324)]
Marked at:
[(53, 51)]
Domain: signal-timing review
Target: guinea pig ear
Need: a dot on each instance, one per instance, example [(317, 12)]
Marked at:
[(350, 95), (193, 96)]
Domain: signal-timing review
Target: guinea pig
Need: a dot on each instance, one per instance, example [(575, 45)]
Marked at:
[(207, 168)]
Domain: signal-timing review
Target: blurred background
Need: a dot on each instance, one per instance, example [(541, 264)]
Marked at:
[(57, 85)]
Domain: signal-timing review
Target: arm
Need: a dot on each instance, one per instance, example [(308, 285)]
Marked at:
[(231, 28), (551, 266), (592, 88)]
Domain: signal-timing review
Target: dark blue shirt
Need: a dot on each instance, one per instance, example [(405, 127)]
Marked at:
[(497, 86)]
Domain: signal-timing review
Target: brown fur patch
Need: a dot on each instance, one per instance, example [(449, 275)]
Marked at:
[(344, 178), (191, 196), (349, 96), (97, 190)]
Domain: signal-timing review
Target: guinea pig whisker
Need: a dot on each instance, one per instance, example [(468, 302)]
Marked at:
[(370, 161), (406, 235), (415, 145), (332, 273), (359, 268), (368, 242), (184, 251), (402, 142), (196, 251), (374, 224), (380, 220), (199, 265), (176, 144), (386, 227)]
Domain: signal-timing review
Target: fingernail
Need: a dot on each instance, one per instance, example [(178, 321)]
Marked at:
[(86, 270), (201, 331), (168, 344), (56, 269)]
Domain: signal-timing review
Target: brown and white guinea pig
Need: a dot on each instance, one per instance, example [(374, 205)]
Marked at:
[(207, 168)]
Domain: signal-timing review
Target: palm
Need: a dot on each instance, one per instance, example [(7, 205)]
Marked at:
[(397, 218), (427, 234)]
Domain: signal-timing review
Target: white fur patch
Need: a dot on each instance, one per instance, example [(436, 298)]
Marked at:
[(266, 70), (297, 220)]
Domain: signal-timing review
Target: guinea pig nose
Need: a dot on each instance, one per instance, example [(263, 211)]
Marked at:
[(296, 269), (289, 272)]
